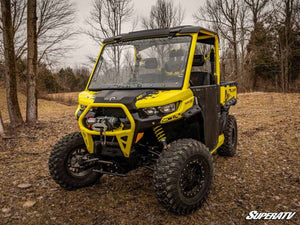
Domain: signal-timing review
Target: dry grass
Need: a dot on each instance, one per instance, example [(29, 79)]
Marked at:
[(263, 176), (70, 98), (46, 109)]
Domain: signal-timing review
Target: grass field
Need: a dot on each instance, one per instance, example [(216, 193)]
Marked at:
[(47, 110), (70, 98), (263, 176)]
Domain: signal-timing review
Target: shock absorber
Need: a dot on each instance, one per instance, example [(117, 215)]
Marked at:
[(160, 135)]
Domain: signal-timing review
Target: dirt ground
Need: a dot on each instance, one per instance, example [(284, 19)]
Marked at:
[(263, 176)]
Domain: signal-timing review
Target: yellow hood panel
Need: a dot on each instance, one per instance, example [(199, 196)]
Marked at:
[(163, 98), (86, 97)]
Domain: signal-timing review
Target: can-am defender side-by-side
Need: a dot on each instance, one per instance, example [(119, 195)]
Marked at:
[(154, 100)]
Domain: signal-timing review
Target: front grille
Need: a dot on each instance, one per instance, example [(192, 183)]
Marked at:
[(116, 112)]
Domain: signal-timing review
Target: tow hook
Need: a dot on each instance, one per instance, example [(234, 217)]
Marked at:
[(103, 137)]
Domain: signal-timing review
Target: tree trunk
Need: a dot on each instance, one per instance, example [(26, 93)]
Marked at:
[(10, 65), (236, 73), (235, 52), (287, 31), (2, 133), (286, 70), (31, 110), (223, 71), (254, 81)]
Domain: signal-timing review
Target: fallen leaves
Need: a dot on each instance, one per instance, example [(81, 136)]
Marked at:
[(24, 186), (6, 210), (29, 204), (263, 176)]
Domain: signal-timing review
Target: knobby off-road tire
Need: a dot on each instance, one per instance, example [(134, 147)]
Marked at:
[(183, 176), (58, 163), (230, 133)]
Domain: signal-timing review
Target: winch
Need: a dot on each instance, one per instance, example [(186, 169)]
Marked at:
[(103, 123)]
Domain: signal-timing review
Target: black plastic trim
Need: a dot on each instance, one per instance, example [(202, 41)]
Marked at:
[(230, 83), (142, 124), (157, 32), (191, 112)]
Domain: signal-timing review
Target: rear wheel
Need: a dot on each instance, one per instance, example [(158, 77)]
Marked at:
[(183, 176), (230, 133), (66, 163)]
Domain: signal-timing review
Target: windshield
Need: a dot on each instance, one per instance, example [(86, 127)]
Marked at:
[(146, 63)]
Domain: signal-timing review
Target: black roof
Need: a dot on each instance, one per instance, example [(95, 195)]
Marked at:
[(157, 32)]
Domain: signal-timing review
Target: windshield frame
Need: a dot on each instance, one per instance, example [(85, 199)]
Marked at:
[(137, 88)]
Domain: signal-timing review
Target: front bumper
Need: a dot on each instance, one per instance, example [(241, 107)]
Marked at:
[(124, 136)]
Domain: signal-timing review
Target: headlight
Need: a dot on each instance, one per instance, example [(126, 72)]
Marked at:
[(150, 111), (167, 108)]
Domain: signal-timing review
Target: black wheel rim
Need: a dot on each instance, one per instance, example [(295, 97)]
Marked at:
[(192, 178), (75, 165)]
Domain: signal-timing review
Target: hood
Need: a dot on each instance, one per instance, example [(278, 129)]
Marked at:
[(163, 98), (126, 97), (134, 99)]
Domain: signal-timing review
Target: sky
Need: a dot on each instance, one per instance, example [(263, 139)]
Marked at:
[(84, 46)]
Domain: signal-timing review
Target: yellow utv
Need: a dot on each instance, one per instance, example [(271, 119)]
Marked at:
[(154, 99)]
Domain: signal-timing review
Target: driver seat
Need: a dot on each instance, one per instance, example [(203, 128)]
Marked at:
[(175, 63), (199, 78)]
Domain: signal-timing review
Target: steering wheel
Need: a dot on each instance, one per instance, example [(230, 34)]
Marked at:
[(192, 83)]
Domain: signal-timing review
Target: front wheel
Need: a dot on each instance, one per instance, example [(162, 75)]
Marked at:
[(183, 176), (66, 163)]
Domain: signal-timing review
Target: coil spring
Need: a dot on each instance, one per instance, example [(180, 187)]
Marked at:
[(159, 133)]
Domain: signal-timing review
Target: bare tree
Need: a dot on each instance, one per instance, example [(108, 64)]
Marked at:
[(287, 21), (10, 65), (243, 27), (224, 15), (54, 27), (257, 9), (107, 18), (164, 14), (31, 110), (18, 8)]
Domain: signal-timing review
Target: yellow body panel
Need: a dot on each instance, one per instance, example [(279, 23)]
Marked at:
[(183, 106), (85, 98), (220, 142), (226, 93), (164, 98), (186, 83), (217, 73), (88, 83)]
